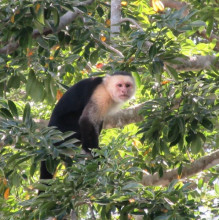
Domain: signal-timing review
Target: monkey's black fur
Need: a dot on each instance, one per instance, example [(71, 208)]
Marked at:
[(67, 112)]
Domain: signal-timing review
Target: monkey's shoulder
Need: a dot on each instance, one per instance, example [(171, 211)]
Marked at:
[(85, 86)]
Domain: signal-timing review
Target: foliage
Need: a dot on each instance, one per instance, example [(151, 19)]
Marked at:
[(180, 113)]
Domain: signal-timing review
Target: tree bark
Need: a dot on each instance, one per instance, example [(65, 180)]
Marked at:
[(115, 17), (197, 166), (195, 63)]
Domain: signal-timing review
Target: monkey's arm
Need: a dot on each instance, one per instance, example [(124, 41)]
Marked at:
[(89, 133)]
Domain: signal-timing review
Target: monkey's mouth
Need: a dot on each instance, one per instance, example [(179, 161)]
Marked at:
[(124, 96)]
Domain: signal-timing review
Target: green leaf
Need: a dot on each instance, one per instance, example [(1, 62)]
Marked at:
[(202, 136), (173, 132), (171, 185), (94, 57), (82, 8), (155, 150), (140, 44), (26, 114), (8, 140), (172, 73), (31, 79), (6, 113), (14, 82), (67, 134), (160, 171), (132, 185), (100, 11), (49, 95), (163, 146), (42, 43), (25, 38), (176, 141), (37, 91), (180, 169), (55, 16), (216, 188), (40, 186), (181, 125), (210, 23), (197, 23), (103, 201), (152, 51), (14, 157), (52, 87), (207, 124), (157, 67), (50, 164), (200, 183), (19, 16), (69, 68), (39, 26), (196, 144), (2, 87), (33, 169), (40, 14), (137, 78), (13, 108)]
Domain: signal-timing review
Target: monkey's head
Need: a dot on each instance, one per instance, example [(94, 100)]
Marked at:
[(120, 85)]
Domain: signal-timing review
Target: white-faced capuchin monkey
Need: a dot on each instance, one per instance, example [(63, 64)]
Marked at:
[(85, 105)]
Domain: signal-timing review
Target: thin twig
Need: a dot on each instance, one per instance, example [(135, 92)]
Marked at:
[(131, 21), (108, 47)]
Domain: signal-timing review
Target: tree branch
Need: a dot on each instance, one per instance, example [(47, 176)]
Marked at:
[(9, 48), (197, 166), (131, 21), (119, 53), (115, 17), (124, 117), (176, 5), (195, 63), (66, 19)]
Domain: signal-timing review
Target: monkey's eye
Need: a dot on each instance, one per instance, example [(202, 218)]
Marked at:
[(127, 85), (119, 85)]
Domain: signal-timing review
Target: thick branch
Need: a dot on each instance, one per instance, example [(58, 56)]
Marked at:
[(124, 117), (195, 63), (197, 166), (84, 3), (176, 5), (115, 17)]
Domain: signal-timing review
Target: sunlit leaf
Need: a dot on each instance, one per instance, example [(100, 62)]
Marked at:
[(216, 188)]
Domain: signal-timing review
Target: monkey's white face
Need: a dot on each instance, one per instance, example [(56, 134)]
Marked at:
[(120, 88)]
